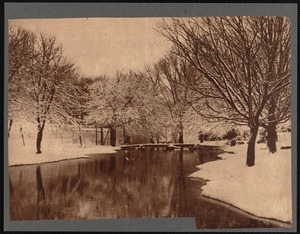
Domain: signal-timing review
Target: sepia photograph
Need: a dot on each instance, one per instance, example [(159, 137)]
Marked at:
[(151, 117)]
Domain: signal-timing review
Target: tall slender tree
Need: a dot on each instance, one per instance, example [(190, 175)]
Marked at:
[(42, 82), (52, 77)]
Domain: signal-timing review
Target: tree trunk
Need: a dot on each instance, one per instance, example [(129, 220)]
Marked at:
[(181, 172), (80, 137), (113, 136), (128, 140), (180, 139), (125, 137), (272, 137), (10, 124), (39, 140), (166, 134), (251, 147)]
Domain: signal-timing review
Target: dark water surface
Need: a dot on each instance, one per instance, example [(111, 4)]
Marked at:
[(140, 184)]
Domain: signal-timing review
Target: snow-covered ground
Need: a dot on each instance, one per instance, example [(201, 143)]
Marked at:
[(22, 155), (264, 190)]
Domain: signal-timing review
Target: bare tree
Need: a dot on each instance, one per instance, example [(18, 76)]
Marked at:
[(50, 85), (112, 101), (154, 116), (172, 73), (42, 82), (229, 53), (276, 50)]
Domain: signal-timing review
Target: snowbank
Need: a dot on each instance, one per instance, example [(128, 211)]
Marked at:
[(22, 155), (210, 143), (264, 190)]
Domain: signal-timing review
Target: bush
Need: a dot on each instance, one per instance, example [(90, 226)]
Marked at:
[(233, 142)]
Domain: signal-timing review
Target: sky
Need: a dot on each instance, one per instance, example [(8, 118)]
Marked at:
[(100, 46)]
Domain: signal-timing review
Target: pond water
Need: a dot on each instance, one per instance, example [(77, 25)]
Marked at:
[(136, 184)]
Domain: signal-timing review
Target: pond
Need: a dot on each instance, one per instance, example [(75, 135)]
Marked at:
[(132, 184)]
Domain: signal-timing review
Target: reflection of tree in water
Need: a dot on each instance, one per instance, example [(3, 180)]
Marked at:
[(97, 197), (23, 194), (138, 184), (162, 183), (11, 189), (43, 211), (183, 204), (207, 155), (144, 180), (131, 184), (178, 198)]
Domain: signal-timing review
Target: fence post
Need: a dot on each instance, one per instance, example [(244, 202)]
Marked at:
[(22, 135), (101, 132), (80, 137), (124, 136), (96, 135)]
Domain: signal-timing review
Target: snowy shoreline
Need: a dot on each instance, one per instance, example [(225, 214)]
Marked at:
[(26, 155), (264, 190), (238, 210)]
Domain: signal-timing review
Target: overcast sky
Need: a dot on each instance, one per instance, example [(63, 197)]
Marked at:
[(104, 45)]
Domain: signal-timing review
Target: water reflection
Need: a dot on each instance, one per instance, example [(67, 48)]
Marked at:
[(135, 184)]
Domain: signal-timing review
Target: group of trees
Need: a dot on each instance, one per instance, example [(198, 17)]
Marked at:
[(223, 69), (114, 102), (244, 66)]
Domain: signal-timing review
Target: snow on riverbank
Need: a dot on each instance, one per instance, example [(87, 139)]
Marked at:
[(23, 155), (264, 190)]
